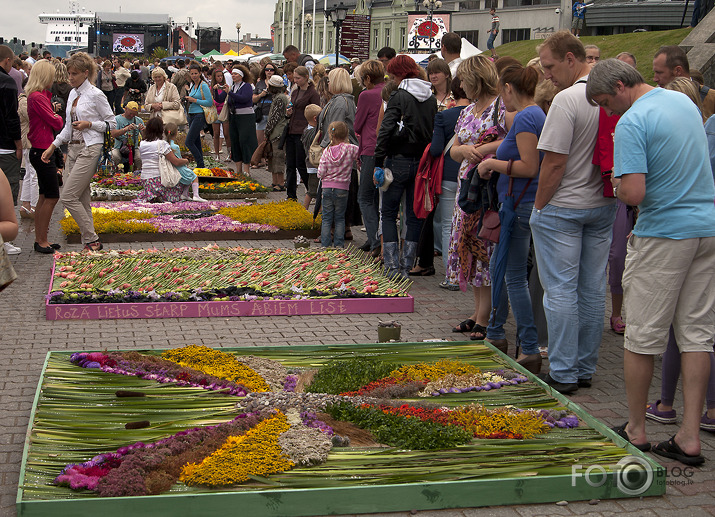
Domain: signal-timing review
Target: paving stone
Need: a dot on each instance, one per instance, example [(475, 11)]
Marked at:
[(26, 336)]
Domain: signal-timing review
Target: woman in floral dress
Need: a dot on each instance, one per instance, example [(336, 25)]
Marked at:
[(479, 128)]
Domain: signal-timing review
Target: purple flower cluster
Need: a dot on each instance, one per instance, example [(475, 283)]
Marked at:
[(214, 223), (560, 419), (310, 419), (485, 387), (169, 208), (121, 473), (159, 371), (290, 383)]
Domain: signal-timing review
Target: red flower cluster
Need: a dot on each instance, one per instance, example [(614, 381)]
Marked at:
[(438, 416), (378, 384)]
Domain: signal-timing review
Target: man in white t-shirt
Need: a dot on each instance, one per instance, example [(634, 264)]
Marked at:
[(571, 222), (451, 50)]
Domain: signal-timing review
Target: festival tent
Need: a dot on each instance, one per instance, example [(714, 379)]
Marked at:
[(231, 53), (247, 50), (212, 52), (329, 59)]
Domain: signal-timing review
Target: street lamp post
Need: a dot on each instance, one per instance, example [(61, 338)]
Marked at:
[(431, 6), (337, 15), (238, 37)]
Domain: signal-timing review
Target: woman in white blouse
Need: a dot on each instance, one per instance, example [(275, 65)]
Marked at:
[(88, 117), (163, 99), (150, 148)]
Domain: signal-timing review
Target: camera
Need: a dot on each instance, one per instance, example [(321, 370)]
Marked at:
[(557, 10)]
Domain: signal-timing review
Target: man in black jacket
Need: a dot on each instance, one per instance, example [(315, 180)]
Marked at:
[(10, 133)]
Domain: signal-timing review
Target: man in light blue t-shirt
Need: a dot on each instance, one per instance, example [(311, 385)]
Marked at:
[(661, 164)]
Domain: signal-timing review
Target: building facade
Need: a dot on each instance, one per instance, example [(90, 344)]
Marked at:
[(302, 23)]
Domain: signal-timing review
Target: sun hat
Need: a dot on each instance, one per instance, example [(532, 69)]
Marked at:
[(276, 81)]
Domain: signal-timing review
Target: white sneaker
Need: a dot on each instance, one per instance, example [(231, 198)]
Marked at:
[(185, 198), (228, 159), (11, 249), (200, 200)]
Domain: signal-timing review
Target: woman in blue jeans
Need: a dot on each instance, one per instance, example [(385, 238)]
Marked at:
[(517, 161), (199, 95)]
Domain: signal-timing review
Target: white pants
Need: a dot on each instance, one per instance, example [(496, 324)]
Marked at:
[(29, 190)]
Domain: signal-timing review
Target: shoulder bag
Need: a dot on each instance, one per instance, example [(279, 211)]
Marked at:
[(316, 150), (170, 175), (225, 110), (210, 112), (178, 117)]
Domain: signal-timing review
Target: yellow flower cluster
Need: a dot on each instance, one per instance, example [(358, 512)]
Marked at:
[(433, 371), (286, 215), (218, 364), (506, 421), (233, 186), (109, 221), (256, 453), (202, 172)]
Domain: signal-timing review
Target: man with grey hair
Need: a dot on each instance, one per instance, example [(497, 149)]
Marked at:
[(670, 266), (628, 58)]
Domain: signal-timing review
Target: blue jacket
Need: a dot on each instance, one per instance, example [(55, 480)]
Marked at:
[(208, 100), (444, 124), (243, 98)]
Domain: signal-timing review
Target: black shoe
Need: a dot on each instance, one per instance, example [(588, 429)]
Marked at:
[(44, 249), (565, 388), (55, 246), (584, 383), (365, 247)]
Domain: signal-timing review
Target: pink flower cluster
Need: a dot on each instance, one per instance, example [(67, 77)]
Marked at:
[(168, 208), (214, 223)]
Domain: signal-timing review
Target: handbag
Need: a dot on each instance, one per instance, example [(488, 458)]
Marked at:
[(491, 222), (210, 113), (284, 137), (7, 272), (223, 116), (105, 159), (178, 117), (170, 175), (315, 151), (258, 110), (264, 150)]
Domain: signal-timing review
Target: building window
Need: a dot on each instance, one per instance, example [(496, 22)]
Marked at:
[(403, 37), (471, 36), (387, 37), (330, 41), (509, 35), (526, 3), (471, 5), (320, 41), (376, 43)]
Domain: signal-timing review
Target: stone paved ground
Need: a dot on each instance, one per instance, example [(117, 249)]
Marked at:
[(25, 338)]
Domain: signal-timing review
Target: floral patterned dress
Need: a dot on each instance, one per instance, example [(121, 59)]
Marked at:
[(468, 259)]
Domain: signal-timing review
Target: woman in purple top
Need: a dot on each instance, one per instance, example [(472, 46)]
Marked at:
[(372, 76), (241, 118), (218, 80), (518, 161)]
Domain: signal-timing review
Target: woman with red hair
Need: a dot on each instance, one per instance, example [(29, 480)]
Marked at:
[(405, 132)]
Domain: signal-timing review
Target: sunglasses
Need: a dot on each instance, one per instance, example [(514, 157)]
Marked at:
[(270, 69)]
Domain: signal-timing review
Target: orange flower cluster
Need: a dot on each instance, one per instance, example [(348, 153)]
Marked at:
[(256, 453)]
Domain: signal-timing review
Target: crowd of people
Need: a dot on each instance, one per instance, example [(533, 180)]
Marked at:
[(532, 146)]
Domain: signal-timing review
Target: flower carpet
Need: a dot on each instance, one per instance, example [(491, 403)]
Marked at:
[(213, 281), (190, 220), (311, 430), (223, 184)]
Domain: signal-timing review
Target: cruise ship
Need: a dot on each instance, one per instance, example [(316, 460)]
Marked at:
[(67, 31)]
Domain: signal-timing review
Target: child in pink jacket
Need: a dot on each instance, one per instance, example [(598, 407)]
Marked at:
[(334, 170)]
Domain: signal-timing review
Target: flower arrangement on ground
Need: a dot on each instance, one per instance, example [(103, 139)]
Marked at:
[(193, 217), (278, 429), (217, 274)]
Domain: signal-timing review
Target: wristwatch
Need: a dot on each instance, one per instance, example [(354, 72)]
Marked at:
[(615, 191)]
